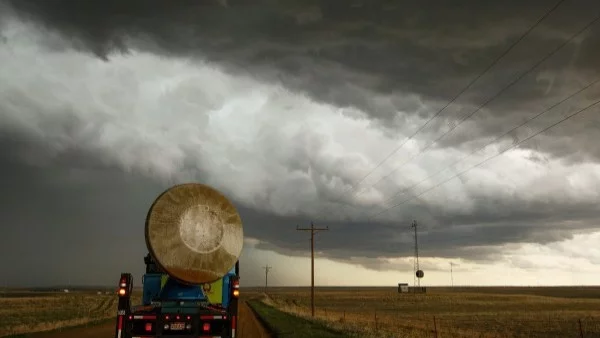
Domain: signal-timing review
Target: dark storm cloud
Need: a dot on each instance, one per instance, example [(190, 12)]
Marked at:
[(73, 209), (474, 236), (348, 54), (68, 218), (66, 214)]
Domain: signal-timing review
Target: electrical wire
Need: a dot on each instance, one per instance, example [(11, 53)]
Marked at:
[(486, 160), (354, 186), (494, 141), (531, 69), (516, 80)]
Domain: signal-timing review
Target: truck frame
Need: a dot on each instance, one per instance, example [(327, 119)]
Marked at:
[(171, 308)]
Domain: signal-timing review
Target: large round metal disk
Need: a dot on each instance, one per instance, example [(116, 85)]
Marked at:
[(194, 233)]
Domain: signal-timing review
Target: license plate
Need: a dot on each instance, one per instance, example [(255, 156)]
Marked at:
[(177, 326)]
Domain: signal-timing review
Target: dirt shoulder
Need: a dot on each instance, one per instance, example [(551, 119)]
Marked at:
[(283, 324), (249, 326)]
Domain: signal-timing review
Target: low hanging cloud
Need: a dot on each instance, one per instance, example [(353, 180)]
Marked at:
[(287, 126)]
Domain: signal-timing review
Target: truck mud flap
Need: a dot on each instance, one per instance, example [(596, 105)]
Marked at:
[(119, 326)]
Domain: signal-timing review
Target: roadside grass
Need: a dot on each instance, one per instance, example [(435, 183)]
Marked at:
[(52, 311), (63, 329), (282, 324), (383, 312)]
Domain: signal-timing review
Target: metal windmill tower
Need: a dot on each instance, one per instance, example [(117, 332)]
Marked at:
[(418, 273)]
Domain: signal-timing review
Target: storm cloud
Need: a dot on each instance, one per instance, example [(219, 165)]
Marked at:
[(286, 107)]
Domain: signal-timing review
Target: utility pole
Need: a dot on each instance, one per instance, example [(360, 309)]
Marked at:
[(267, 268), (313, 231), (416, 261)]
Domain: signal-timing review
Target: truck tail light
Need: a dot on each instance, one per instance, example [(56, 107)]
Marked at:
[(124, 285), (236, 288)]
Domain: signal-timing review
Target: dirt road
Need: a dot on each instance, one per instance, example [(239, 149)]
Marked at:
[(248, 327)]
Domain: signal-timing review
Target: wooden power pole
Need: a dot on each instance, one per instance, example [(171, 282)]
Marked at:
[(267, 268), (313, 231)]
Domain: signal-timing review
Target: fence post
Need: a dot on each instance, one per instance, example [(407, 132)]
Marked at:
[(435, 327), (580, 329), (376, 326)]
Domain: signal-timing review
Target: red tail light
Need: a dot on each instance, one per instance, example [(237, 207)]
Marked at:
[(148, 327), (236, 288), (206, 327), (124, 285)]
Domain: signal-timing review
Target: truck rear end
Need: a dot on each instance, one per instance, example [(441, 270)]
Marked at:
[(168, 323), (201, 311), (194, 236)]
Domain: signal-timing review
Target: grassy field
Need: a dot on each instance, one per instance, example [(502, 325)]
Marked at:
[(452, 312), (282, 324), (24, 312), (358, 312)]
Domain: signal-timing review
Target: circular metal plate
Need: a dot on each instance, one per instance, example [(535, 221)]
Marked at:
[(194, 233)]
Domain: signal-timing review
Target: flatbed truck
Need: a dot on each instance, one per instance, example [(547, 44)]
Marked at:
[(174, 307)]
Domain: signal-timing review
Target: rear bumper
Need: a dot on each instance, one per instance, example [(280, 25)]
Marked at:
[(221, 328), (178, 336), (188, 336)]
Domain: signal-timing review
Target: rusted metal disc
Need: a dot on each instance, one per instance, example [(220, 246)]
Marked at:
[(194, 233)]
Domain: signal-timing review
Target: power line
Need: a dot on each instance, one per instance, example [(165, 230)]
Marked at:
[(313, 231), (531, 69), (488, 159), (471, 83), (494, 141)]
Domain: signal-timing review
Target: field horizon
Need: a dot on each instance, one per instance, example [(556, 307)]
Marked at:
[(433, 287), (366, 311)]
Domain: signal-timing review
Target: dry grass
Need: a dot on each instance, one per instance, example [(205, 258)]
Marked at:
[(36, 312), (485, 312)]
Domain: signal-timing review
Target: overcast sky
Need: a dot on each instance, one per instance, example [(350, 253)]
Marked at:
[(286, 109)]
